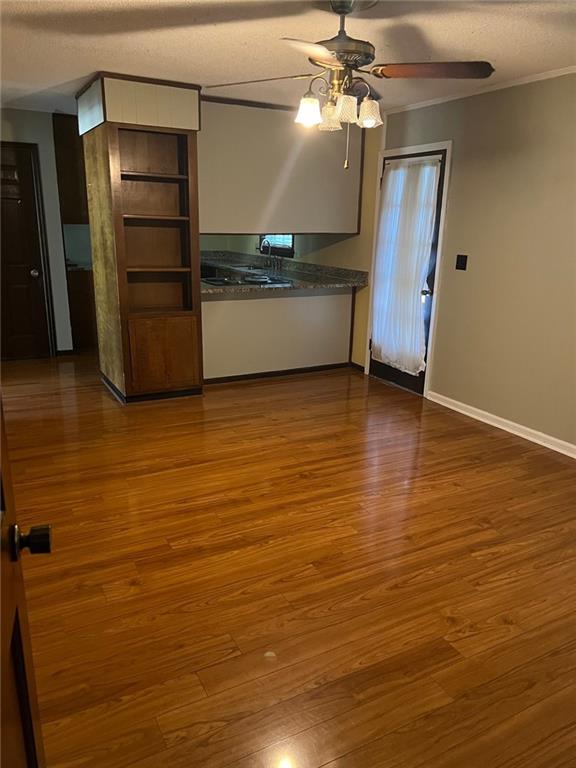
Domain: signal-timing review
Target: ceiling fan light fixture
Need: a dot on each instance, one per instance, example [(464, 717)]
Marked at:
[(309, 111), (369, 116), (346, 108), (329, 120)]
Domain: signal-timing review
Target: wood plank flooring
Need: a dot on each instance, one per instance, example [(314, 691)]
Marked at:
[(316, 570)]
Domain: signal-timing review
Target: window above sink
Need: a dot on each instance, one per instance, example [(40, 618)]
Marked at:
[(277, 245)]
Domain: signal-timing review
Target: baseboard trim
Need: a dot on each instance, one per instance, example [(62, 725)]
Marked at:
[(554, 443), (271, 374), (357, 366), (113, 389), (126, 399), (167, 395)]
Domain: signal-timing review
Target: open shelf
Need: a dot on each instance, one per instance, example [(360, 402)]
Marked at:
[(152, 217), (152, 153), (147, 176), (157, 292), (153, 198), (147, 312), (156, 245), (158, 269)]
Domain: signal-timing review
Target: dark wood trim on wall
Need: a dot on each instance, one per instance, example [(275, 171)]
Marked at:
[(345, 235), (103, 97), (270, 374), (120, 396), (145, 128), (352, 314), (360, 189), (246, 103)]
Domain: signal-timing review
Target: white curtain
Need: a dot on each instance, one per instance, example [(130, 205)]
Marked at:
[(406, 228)]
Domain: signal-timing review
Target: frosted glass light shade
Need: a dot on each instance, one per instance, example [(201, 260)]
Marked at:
[(309, 112), (346, 108), (329, 120), (369, 114)]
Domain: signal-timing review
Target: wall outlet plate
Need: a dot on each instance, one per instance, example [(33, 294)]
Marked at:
[(461, 261)]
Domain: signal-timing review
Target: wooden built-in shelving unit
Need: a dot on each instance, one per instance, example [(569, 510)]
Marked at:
[(144, 216)]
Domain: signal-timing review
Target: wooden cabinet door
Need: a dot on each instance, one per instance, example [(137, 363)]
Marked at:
[(164, 353), (21, 741)]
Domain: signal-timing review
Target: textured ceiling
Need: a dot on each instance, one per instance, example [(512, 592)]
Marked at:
[(50, 47)]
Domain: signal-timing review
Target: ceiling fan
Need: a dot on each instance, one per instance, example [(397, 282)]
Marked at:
[(341, 58)]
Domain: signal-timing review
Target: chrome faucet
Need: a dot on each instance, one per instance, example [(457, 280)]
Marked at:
[(273, 261), (268, 262)]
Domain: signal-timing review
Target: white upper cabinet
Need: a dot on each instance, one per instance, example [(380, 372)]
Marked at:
[(260, 172)]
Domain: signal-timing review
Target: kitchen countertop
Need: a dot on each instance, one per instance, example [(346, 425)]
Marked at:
[(301, 275)]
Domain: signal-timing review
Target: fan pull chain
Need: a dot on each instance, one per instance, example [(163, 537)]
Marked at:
[(346, 163)]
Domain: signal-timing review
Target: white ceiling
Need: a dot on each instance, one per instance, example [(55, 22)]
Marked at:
[(50, 47)]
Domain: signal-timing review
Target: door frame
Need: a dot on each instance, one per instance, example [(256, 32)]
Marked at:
[(20, 706), (398, 152), (43, 239)]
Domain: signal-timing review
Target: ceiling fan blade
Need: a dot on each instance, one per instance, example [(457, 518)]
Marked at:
[(262, 80), (439, 69), (314, 51)]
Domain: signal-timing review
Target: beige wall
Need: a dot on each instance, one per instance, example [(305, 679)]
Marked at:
[(36, 128), (506, 333), (356, 252), (290, 330)]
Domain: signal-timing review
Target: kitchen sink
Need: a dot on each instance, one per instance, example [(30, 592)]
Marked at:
[(221, 281), (245, 274), (258, 281)]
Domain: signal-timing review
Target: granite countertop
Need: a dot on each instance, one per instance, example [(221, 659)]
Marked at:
[(295, 275)]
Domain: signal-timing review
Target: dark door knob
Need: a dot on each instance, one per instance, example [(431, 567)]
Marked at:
[(38, 540)]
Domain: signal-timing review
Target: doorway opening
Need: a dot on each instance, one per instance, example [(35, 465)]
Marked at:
[(73, 198), (410, 219)]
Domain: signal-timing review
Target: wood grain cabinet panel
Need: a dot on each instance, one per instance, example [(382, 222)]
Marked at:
[(144, 223), (144, 151), (154, 198), (70, 169), (162, 353)]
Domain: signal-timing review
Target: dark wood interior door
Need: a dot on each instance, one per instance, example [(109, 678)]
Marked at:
[(21, 742), (26, 329), (388, 372)]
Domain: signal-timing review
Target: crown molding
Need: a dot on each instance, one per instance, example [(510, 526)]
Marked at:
[(486, 89)]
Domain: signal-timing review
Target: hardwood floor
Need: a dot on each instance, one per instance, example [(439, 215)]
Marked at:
[(317, 570)]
